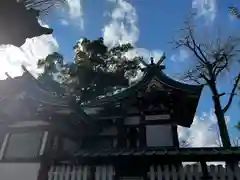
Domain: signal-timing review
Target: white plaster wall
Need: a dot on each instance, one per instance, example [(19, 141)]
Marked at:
[(19, 171), (159, 135)]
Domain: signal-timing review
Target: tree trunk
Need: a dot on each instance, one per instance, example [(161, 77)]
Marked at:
[(220, 117)]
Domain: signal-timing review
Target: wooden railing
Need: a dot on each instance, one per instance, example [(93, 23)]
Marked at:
[(193, 172), (67, 172), (189, 172)]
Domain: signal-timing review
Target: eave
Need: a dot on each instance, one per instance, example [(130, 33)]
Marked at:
[(41, 99), (151, 72), (183, 95), (18, 26), (151, 156)]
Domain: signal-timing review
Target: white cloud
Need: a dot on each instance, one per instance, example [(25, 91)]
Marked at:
[(181, 56), (72, 14), (146, 54), (75, 8), (76, 12), (64, 22), (112, 1), (205, 8), (122, 27), (28, 54), (203, 132)]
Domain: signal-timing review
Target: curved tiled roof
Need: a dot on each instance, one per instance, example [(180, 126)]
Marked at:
[(29, 87), (185, 96), (150, 72), (34, 90), (159, 152), (155, 154)]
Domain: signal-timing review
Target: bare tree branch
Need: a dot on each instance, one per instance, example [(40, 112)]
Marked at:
[(211, 59), (189, 76), (43, 5), (219, 68), (232, 94)]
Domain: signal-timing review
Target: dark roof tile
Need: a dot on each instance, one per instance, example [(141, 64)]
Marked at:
[(159, 152)]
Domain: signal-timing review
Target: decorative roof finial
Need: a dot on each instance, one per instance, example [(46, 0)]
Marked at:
[(23, 68), (161, 59), (152, 60), (8, 76)]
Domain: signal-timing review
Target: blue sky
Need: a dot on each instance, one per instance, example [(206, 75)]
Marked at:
[(148, 24), (157, 21)]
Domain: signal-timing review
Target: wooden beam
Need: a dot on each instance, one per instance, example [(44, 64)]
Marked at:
[(175, 136), (142, 132), (205, 174), (44, 169), (157, 117), (157, 122), (120, 134)]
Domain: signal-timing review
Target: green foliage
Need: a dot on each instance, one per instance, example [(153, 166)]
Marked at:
[(234, 11), (95, 69), (238, 125), (50, 62)]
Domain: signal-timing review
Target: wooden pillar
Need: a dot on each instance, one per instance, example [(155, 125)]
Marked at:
[(117, 172), (92, 171), (44, 169), (142, 126), (142, 130), (232, 164), (46, 160), (120, 134), (175, 136), (173, 125), (204, 170)]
